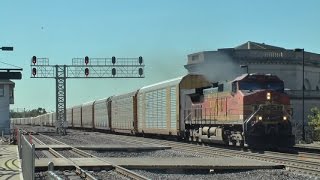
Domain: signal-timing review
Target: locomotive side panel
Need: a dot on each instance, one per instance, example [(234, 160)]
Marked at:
[(222, 108)]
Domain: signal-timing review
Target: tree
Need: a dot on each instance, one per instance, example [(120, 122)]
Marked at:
[(28, 113), (314, 122)]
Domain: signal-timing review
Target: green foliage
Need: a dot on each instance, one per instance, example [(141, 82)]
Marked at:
[(314, 122), (28, 113)]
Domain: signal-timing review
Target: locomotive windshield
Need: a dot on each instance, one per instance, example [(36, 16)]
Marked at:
[(251, 85)]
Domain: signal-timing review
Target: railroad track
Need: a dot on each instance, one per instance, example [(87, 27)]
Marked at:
[(304, 163), (116, 168)]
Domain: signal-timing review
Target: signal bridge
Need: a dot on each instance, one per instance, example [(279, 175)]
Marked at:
[(83, 68)]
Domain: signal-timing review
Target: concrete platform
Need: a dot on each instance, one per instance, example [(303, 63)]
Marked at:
[(106, 148), (315, 145), (10, 166), (163, 163)]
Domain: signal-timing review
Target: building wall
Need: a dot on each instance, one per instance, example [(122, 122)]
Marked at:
[(4, 108)]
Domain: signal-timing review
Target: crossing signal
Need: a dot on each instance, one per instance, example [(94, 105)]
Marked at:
[(34, 71), (86, 71), (86, 60), (34, 59)]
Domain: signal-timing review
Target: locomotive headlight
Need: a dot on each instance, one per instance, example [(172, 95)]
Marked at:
[(268, 96), (285, 118), (260, 118)]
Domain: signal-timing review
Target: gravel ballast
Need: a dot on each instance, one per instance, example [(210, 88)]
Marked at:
[(76, 137), (244, 175)]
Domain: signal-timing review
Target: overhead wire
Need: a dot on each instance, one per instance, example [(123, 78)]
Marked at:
[(10, 64)]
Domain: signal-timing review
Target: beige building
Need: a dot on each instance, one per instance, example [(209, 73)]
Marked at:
[(224, 64)]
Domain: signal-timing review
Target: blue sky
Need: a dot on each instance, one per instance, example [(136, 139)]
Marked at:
[(163, 32)]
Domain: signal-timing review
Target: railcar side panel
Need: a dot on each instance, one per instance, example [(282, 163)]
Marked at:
[(87, 115), (123, 113), (69, 117), (77, 115), (157, 111), (101, 116)]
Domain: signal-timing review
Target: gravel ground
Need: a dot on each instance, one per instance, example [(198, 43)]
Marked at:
[(112, 175), (158, 153), (87, 138), (96, 138), (44, 140), (40, 154), (71, 175), (66, 175), (244, 175), (68, 154)]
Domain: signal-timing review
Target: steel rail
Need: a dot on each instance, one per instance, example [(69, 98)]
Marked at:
[(118, 169), (292, 163), (79, 171)]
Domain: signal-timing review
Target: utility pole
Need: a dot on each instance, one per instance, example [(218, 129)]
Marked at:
[(83, 68)]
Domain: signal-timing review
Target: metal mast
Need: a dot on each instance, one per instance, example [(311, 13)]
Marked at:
[(83, 68)]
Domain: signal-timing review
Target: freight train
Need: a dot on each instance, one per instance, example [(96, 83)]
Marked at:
[(251, 110)]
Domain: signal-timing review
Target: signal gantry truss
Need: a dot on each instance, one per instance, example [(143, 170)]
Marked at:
[(83, 68)]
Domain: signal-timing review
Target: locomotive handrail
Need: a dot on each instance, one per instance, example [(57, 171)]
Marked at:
[(245, 124)]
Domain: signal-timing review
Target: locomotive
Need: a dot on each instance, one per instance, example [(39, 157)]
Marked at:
[(251, 110)]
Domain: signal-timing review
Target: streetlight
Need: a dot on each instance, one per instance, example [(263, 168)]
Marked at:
[(6, 48), (303, 131), (245, 66)]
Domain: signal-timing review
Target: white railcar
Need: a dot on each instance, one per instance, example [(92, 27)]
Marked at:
[(77, 116), (87, 114), (161, 106), (123, 112), (101, 114)]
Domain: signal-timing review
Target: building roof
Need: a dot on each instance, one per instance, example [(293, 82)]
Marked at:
[(6, 81), (255, 45)]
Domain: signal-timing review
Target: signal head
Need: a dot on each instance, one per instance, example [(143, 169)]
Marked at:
[(140, 60), (86, 71), (34, 71), (34, 59), (140, 71), (114, 71), (86, 60), (113, 60)]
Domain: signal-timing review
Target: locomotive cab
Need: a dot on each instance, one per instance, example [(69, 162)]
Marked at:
[(252, 110), (266, 111)]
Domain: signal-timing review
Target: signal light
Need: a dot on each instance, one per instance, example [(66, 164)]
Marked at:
[(34, 71), (140, 60), (34, 59), (86, 60), (140, 71), (114, 71), (113, 60), (86, 71), (268, 96)]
